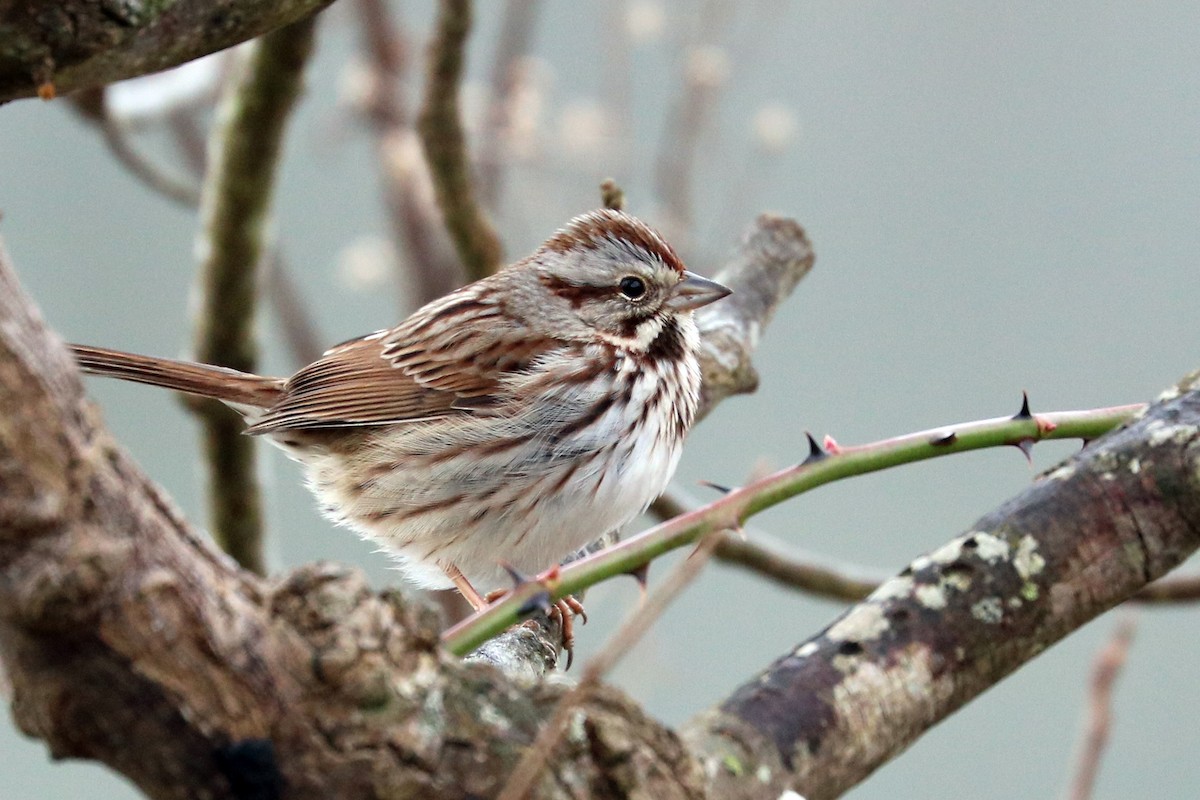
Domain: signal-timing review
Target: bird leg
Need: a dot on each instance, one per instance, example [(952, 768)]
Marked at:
[(477, 601)]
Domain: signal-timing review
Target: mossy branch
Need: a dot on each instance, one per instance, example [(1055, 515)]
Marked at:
[(235, 209)]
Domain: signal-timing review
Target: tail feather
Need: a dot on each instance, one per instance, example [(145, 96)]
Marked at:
[(205, 380)]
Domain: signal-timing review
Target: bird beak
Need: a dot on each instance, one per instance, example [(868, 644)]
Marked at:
[(694, 291)]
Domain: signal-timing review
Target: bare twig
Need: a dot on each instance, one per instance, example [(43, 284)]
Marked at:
[(801, 571), (445, 144), (1105, 670), (236, 202), (618, 81), (805, 573), (611, 195), (92, 107), (526, 773), (296, 323), (704, 73), (516, 33), (427, 254)]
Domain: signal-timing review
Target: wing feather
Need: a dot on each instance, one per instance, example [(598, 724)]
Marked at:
[(449, 358)]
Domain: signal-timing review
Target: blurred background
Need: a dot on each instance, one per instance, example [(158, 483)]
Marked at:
[(1001, 197)]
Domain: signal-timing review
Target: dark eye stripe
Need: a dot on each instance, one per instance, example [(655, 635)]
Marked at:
[(574, 293)]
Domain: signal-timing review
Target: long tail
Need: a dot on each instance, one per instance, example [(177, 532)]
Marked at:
[(229, 385)]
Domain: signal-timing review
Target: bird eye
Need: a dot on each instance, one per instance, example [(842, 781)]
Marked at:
[(632, 287)]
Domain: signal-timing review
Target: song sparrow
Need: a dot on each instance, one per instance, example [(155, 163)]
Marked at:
[(514, 420)]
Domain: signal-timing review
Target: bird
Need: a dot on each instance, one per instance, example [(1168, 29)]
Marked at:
[(501, 427)]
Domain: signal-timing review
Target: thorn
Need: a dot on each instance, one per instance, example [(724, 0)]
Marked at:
[(1026, 447), (717, 486), (538, 602), (519, 578), (944, 439), (831, 445), (815, 453), (1085, 443), (1024, 412), (641, 575)]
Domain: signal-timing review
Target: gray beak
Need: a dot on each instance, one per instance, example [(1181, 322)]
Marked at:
[(694, 291)]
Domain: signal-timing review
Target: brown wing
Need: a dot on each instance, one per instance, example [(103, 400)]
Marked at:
[(448, 358)]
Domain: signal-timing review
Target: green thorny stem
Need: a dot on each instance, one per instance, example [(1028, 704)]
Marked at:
[(730, 511)]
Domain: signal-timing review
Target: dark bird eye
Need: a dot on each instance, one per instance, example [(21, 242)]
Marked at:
[(632, 287)]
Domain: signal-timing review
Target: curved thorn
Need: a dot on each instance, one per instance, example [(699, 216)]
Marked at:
[(1024, 412), (815, 452)]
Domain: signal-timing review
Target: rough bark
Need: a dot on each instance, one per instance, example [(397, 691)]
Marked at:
[(129, 640), (55, 48), (1082, 539)]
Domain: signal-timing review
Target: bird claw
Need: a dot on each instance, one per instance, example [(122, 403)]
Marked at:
[(565, 609)]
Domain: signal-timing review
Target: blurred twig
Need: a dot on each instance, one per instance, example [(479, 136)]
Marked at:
[(516, 33), (526, 773), (803, 572), (442, 135), (611, 195), (424, 250), (296, 322), (1105, 670), (91, 105), (618, 82), (235, 205), (704, 72)]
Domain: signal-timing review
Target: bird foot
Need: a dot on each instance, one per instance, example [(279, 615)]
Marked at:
[(565, 609)]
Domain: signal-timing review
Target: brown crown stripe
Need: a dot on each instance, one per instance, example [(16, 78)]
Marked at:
[(591, 230)]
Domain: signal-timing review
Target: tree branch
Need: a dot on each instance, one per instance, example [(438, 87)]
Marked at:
[(56, 48), (1098, 724), (1120, 514), (423, 244), (129, 641), (236, 203), (446, 147)]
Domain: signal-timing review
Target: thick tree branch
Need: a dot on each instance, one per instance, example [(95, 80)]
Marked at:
[(55, 48), (129, 641), (1091, 534), (773, 256)]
